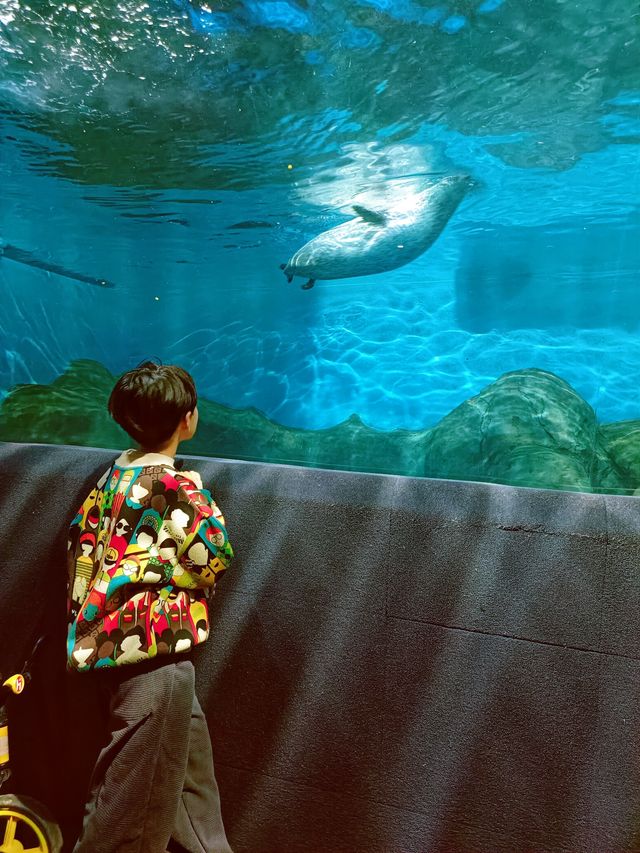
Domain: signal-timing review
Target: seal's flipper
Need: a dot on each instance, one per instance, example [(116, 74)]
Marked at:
[(289, 276), (309, 284), (371, 216)]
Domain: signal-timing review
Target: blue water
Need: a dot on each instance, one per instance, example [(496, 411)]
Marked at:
[(267, 121)]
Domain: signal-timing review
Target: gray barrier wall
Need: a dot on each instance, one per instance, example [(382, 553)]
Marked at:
[(396, 665)]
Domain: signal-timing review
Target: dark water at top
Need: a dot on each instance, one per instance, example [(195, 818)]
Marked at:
[(181, 151)]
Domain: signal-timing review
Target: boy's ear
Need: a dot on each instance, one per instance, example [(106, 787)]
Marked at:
[(188, 422)]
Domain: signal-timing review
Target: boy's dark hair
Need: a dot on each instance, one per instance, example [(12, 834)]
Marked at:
[(150, 401)]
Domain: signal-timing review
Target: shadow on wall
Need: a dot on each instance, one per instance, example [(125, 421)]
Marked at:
[(291, 675), (54, 742)]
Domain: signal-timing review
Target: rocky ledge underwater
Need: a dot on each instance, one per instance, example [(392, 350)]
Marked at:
[(528, 428)]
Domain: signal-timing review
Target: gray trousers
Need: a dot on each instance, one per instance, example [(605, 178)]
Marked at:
[(153, 787)]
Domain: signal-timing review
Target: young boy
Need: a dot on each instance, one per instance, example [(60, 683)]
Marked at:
[(145, 551)]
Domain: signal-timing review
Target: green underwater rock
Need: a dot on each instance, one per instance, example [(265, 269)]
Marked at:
[(529, 428), (622, 443), (71, 410)]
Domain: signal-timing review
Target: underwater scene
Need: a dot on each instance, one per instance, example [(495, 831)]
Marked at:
[(392, 236)]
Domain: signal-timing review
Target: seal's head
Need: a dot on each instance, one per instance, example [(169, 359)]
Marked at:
[(447, 193), (462, 183), (467, 182)]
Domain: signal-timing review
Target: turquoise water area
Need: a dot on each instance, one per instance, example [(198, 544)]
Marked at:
[(171, 155)]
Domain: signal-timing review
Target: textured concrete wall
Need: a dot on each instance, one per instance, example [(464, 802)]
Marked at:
[(396, 665)]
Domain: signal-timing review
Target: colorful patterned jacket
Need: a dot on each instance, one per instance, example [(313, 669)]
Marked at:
[(145, 551)]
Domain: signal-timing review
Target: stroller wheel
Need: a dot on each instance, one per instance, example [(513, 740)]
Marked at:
[(26, 827)]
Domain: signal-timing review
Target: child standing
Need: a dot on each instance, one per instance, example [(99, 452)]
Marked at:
[(145, 551)]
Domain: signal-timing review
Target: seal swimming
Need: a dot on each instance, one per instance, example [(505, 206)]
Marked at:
[(379, 241)]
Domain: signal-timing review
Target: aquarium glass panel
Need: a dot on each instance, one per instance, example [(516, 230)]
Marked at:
[(383, 235)]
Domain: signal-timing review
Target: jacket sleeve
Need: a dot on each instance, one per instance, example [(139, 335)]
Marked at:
[(78, 581), (206, 552)]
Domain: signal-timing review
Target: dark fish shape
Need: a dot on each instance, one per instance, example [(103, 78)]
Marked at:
[(22, 256), (195, 201), (250, 223), (128, 214), (124, 200), (156, 218)]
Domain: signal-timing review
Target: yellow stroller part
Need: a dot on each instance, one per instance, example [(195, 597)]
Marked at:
[(23, 829), (15, 683)]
